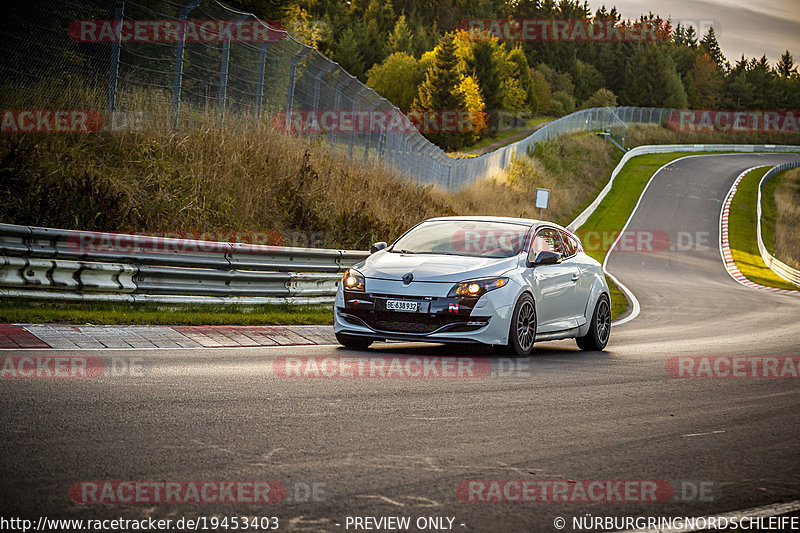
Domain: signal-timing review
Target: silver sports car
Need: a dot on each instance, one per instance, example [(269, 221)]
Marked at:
[(506, 282)]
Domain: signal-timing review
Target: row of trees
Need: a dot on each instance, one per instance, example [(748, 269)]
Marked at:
[(411, 52)]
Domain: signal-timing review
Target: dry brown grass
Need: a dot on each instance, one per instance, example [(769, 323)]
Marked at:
[(574, 168), (787, 226), (245, 179)]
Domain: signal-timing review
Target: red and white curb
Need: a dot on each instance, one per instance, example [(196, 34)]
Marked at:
[(32, 336), (724, 243)]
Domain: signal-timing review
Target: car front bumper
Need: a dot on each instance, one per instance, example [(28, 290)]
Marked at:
[(482, 320)]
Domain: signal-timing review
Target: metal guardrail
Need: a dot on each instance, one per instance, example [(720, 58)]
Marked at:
[(783, 270), (44, 263)]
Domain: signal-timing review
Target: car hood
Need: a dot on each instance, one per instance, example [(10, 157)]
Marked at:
[(432, 267)]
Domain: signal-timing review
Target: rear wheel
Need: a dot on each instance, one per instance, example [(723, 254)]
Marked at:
[(522, 332), (354, 342), (599, 328)]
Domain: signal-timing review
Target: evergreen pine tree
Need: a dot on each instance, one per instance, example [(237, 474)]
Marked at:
[(348, 53), (439, 90), (710, 46), (786, 67), (401, 39)]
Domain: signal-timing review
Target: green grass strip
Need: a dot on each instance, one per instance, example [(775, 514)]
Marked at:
[(16, 311), (742, 222)]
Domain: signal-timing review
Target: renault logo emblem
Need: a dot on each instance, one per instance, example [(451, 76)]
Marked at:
[(408, 278)]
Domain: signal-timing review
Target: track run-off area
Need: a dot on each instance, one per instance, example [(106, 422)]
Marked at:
[(674, 419)]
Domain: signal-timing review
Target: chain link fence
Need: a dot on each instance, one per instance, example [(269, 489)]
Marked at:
[(139, 65)]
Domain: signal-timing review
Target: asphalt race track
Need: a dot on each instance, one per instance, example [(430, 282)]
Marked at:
[(400, 447)]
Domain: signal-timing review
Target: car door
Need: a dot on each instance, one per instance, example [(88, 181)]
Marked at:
[(553, 285), (583, 284)]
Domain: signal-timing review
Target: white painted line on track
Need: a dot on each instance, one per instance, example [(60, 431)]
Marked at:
[(766, 511), (717, 432)]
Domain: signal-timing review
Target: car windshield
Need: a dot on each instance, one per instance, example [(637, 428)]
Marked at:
[(464, 237)]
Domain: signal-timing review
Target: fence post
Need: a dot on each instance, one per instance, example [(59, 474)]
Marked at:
[(317, 84), (178, 72), (356, 102), (290, 90), (369, 132), (223, 70), (337, 105), (262, 62), (113, 71)]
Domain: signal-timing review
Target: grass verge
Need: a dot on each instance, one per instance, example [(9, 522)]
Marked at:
[(16, 311), (506, 133), (742, 232)]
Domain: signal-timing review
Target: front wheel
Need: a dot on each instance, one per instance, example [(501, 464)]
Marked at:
[(522, 332), (599, 328), (353, 342)]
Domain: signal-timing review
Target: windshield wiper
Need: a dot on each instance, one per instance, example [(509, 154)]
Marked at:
[(403, 251), (438, 253)]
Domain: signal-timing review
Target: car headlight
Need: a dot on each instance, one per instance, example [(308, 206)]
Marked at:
[(475, 288), (353, 280)]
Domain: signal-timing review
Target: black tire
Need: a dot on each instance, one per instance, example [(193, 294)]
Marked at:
[(522, 332), (599, 328), (354, 342)]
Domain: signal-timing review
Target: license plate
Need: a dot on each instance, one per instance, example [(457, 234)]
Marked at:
[(407, 306)]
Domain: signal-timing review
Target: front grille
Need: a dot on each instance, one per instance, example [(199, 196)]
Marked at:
[(403, 327), (415, 323)]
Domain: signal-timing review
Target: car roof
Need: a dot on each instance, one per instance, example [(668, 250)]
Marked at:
[(511, 220)]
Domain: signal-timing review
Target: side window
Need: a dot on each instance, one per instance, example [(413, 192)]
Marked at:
[(546, 240), (569, 243)]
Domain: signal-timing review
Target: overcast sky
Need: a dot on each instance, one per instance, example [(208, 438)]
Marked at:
[(752, 27)]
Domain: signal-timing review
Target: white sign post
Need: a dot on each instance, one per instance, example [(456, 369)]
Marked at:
[(542, 199)]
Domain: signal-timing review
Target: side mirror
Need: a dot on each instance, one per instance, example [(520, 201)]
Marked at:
[(377, 247), (546, 258)]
